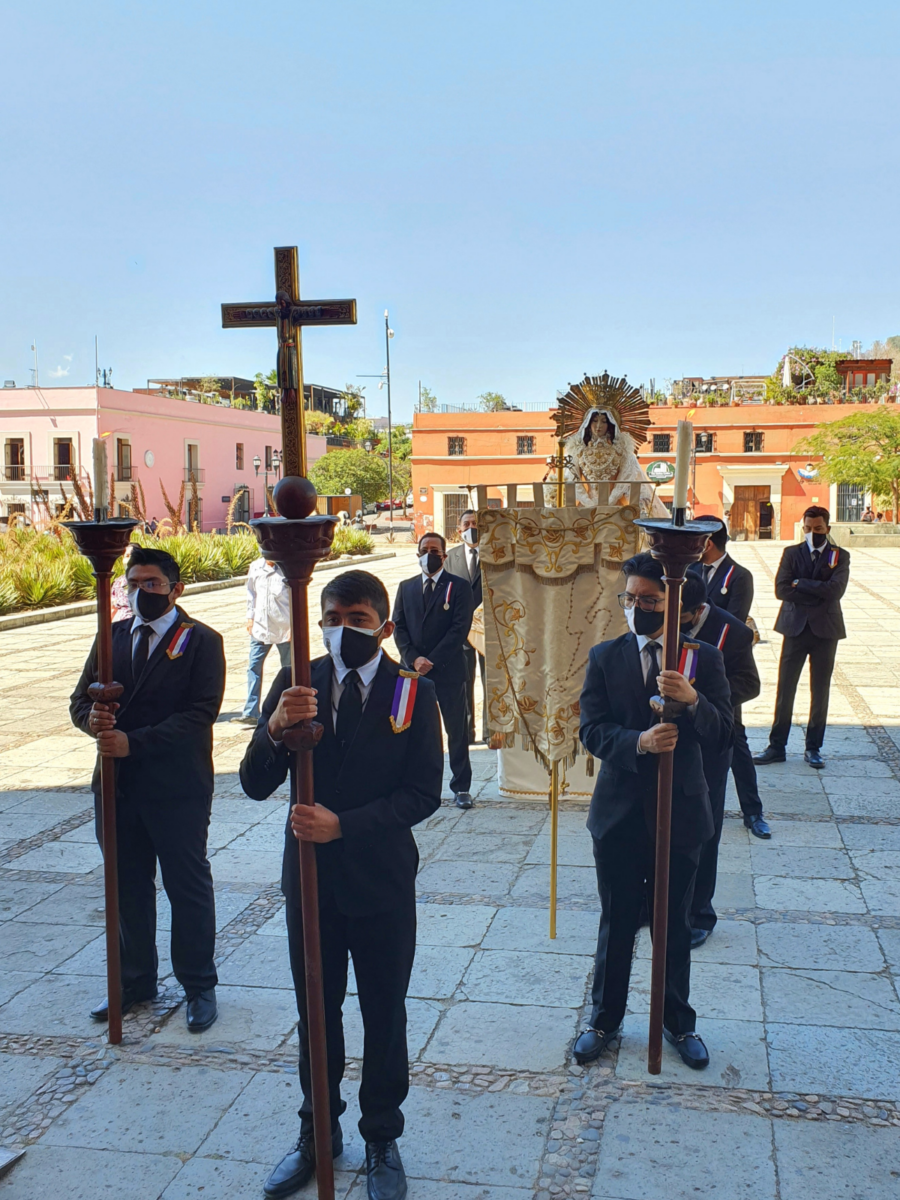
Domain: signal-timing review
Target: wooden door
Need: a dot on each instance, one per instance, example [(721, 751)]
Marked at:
[(745, 510)]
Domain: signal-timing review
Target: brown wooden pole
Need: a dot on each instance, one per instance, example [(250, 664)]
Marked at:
[(108, 815), (304, 793), (663, 843)]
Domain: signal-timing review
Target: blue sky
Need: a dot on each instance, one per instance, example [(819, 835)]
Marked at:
[(533, 189)]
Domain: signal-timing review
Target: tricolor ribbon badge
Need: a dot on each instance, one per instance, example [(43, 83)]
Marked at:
[(687, 665), (404, 701), (722, 636), (833, 559), (179, 642), (447, 596), (727, 580)]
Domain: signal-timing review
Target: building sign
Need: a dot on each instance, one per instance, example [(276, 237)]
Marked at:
[(660, 472)]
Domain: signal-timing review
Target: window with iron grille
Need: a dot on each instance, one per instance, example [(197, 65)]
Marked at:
[(239, 456), (456, 446), (753, 442), (662, 443), (704, 443), (268, 458), (851, 498), (524, 445)]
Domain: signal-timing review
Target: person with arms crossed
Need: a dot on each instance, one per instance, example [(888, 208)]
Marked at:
[(618, 726), (812, 577), (377, 773), (703, 622), (160, 734), (463, 560), (432, 619)]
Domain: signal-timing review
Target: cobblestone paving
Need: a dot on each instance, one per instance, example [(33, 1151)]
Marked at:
[(796, 991)]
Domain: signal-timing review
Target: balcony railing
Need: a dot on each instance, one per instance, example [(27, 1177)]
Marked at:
[(198, 474), (125, 474), (14, 473), (55, 473)]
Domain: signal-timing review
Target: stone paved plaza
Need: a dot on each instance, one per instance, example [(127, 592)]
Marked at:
[(796, 991)]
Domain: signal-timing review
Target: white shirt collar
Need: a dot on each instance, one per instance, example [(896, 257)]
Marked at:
[(698, 624), (159, 626), (714, 566), (366, 672), (433, 578), (642, 641)]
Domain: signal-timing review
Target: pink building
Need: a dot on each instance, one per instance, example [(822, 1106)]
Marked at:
[(47, 436)]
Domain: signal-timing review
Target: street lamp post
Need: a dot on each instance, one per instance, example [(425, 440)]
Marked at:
[(388, 334)]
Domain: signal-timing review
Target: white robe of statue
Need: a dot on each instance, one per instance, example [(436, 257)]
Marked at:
[(597, 458)]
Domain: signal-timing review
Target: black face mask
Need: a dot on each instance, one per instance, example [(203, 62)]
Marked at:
[(819, 540), (357, 648), (645, 623), (151, 605), (433, 562)]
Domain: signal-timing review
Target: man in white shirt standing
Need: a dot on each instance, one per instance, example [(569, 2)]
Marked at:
[(464, 560), (269, 624)]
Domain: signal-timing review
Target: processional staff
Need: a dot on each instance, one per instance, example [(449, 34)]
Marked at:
[(102, 541), (676, 544), (297, 540)]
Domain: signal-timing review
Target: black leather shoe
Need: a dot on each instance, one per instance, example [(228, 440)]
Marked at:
[(299, 1165), (771, 754), (464, 800), (201, 1011), (699, 936), (758, 827), (815, 759), (129, 1000), (385, 1177), (591, 1043), (690, 1047)]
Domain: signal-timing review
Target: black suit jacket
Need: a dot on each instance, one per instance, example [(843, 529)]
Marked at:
[(432, 631), (737, 652), (731, 587), (458, 564), (168, 715), (614, 712), (816, 600), (385, 783)]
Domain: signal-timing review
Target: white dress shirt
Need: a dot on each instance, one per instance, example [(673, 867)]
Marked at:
[(160, 628), (366, 673), (426, 579), (700, 622), (472, 562), (711, 568), (268, 604)]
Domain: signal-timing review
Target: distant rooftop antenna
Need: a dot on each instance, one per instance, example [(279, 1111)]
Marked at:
[(35, 381)]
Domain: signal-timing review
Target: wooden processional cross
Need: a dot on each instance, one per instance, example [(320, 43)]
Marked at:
[(288, 314)]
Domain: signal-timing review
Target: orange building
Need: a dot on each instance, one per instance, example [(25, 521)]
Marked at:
[(744, 466)]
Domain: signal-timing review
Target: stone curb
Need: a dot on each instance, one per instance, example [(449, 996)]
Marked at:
[(83, 608)]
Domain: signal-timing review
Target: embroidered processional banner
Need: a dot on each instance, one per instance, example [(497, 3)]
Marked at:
[(551, 576)]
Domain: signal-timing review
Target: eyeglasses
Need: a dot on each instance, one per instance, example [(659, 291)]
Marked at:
[(154, 586), (644, 603)]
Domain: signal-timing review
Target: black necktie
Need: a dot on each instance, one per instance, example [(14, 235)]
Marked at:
[(815, 558), (142, 652), (650, 685), (349, 710)]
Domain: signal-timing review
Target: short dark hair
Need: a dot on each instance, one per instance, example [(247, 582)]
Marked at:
[(720, 538), (358, 587), (693, 592), (439, 537), (816, 510), (143, 556), (470, 512), (643, 565)]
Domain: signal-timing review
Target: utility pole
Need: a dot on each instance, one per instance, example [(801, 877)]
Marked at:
[(34, 370), (388, 334)]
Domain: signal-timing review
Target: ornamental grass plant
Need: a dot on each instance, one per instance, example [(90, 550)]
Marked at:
[(43, 569)]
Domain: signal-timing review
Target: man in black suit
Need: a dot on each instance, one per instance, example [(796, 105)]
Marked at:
[(160, 734), (463, 560), (728, 584), (703, 622), (811, 580), (432, 619), (618, 727), (377, 773)]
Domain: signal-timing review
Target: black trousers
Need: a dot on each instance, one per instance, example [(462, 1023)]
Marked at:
[(624, 859), (452, 702), (794, 653), (744, 771), (173, 834), (703, 915), (382, 947), (471, 654)]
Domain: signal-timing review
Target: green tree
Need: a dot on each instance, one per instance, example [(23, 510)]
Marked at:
[(864, 449), (365, 474), (353, 400), (266, 388), (318, 422), (429, 401), (492, 402), (208, 389)]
